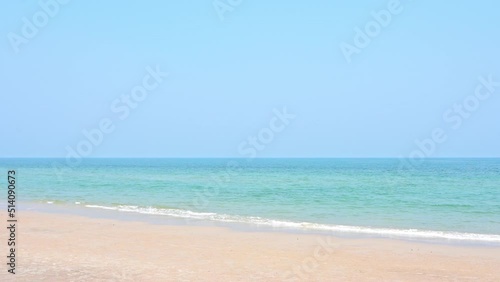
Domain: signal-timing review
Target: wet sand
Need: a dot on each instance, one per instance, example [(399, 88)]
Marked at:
[(60, 247)]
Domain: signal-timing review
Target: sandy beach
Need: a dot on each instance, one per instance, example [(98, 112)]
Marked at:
[(59, 247)]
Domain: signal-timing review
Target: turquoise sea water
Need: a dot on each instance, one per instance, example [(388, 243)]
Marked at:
[(441, 198)]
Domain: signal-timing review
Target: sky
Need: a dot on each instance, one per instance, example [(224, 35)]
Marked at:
[(319, 78)]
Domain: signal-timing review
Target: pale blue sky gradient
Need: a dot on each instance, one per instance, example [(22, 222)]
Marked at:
[(226, 77)]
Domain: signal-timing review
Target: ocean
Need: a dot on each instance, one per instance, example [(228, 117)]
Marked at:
[(446, 199)]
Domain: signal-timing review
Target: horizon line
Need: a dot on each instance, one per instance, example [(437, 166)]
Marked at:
[(243, 158)]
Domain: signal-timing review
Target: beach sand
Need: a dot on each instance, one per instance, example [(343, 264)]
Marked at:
[(59, 247)]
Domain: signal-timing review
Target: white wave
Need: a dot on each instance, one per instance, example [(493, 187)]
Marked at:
[(101, 207), (412, 233)]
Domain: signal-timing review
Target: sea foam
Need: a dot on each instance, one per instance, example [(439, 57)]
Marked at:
[(386, 232)]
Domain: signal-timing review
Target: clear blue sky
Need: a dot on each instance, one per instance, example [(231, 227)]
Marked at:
[(226, 77)]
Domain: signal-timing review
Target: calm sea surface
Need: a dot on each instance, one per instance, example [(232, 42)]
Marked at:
[(441, 198)]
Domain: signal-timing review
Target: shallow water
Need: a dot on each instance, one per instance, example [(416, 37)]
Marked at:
[(441, 198)]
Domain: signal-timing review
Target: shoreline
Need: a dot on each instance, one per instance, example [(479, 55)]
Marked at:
[(409, 235), (74, 247)]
